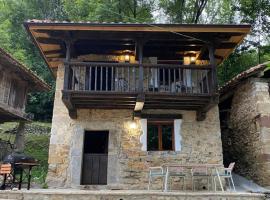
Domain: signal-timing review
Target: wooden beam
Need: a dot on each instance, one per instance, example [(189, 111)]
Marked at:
[(71, 109), (109, 107), (140, 27), (219, 57), (139, 46), (139, 102), (214, 70), (157, 116), (173, 107), (67, 66), (201, 113), (59, 51), (42, 40), (171, 66)]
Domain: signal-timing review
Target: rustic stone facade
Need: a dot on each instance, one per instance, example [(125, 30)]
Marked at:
[(248, 140), (127, 163)]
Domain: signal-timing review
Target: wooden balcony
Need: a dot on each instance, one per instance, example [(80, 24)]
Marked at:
[(127, 86)]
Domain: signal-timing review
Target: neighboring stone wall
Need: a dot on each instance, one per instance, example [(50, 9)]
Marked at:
[(248, 142), (127, 164)]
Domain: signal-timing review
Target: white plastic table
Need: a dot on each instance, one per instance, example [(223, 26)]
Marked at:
[(190, 166)]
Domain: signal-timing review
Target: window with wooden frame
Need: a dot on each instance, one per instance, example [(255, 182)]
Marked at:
[(160, 136)]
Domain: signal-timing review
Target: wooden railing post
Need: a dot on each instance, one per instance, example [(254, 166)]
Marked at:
[(213, 68), (67, 66), (140, 56)]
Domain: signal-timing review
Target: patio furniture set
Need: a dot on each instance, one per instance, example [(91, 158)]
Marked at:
[(9, 173), (16, 168), (210, 172)]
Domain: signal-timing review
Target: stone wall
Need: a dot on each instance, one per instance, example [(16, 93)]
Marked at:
[(127, 163), (248, 140)]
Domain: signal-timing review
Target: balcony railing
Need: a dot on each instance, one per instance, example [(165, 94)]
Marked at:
[(126, 78)]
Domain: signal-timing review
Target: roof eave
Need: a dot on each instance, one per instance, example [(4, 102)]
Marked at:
[(39, 49), (38, 83)]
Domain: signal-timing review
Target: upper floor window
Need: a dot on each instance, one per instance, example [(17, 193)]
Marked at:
[(160, 136)]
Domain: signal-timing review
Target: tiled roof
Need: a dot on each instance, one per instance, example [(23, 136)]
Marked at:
[(243, 75), (28, 74)]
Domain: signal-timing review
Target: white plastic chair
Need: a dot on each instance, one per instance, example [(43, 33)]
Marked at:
[(226, 173), (155, 172)]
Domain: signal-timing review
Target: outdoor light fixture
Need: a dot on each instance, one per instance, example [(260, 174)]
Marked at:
[(127, 58), (133, 125), (189, 59), (192, 59)]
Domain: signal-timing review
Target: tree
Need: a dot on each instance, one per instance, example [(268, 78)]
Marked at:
[(17, 42), (109, 10), (183, 11)]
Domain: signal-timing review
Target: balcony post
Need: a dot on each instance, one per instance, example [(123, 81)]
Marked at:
[(67, 66), (66, 98), (140, 57), (214, 68)]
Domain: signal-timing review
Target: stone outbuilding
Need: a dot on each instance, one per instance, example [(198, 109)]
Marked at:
[(245, 123)]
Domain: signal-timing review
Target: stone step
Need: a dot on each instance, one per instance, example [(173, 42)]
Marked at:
[(71, 194), (10, 196), (8, 199)]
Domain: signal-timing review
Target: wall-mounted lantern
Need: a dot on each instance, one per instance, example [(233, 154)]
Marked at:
[(189, 59), (126, 55), (127, 58), (192, 60)]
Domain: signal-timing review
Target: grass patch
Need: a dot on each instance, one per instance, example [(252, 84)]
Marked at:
[(38, 146)]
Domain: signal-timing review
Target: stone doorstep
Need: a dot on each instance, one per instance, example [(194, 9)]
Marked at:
[(8, 199)]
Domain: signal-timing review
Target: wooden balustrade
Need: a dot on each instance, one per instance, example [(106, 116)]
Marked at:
[(124, 78), (177, 79), (103, 77)]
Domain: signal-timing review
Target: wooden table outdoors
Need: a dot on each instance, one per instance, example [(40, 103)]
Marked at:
[(21, 166), (190, 166)]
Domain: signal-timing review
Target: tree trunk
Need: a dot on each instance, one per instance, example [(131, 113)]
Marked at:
[(19, 139), (181, 11), (198, 9)]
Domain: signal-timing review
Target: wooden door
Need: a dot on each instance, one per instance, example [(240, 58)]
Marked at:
[(95, 158)]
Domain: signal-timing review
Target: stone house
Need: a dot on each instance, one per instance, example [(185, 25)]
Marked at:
[(245, 123), (131, 96)]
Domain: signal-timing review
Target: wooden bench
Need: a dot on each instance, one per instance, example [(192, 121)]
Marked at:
[(5, 169)]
